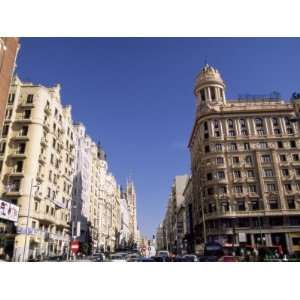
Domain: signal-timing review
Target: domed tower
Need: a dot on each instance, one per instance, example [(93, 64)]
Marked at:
[(209, 88)]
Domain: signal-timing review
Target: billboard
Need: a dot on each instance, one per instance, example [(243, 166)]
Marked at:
[(9, 211)]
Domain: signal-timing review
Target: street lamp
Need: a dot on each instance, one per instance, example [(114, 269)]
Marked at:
[(28, 215)]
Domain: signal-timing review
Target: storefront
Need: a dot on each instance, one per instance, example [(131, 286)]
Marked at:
[(8, 218)]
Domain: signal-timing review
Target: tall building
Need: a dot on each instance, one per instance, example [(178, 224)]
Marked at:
[(36, 163), (131, 201), (124, 228), (9, 47), (245, 161), (82, 185)]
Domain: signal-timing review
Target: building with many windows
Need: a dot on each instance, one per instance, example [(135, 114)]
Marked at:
[(37, 167), (245, 161)]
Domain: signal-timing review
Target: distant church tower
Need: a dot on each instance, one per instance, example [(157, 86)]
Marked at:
[(131, 200)]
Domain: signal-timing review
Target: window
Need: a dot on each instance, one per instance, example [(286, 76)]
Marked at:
[(217, 133), (27, 114), (49, 193), (258, 122), (2, 147), (218, 147), (202, 95), (207, 149), (266, 158), (254, 205), (275, 122), (36, 206), (260, 132), (212, 93), (11, 98), (250, 173), (238, 189), (52, 159), (210, 191), (231, 133), (52, 211), (279, 144), (232, 147), (263, 145), (285, 172), (252, 188), (223, 189), (50, 176), (298, 186), (5, 130), (33, 224), (53, 142), (241, 205), (290, 130), (288, 187), (297, 171), (282, 157), (246, 146), (295, 157), (230, 123), (248, 159), (235, 159), (206, 135), (21, 148), (19, 166), (220, 160), (242, 123), (292, 144), (271, 187), (287, 121), (47, 209), (277, 131), (269, 173), (216, 124), (29, 98), (237, 174), (291, 203), (244, 132), (220, 175), (205, 126), (225, 205), (24, 131), (1, 165), (273, 203), (209, 176)]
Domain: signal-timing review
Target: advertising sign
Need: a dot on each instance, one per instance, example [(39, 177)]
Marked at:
[(8, 211)]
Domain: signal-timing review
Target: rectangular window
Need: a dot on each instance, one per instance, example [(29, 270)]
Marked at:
[(235, 159), (291, 203), (237, 174), (282, 157), (218, 147), (273, 203), (231, 133), (27, 114), (290, 131), (279, 144), (11, 98), (19, 166), (24, 131), (277, 131), (220, 160), (292, 144), (232, 147), (271, 187), (296, 157), (248, 159), (285, 172), (252, 188), (244, 132), (220, 175), (288, 187), (263, 145), (2, 147), (29, 98), (206, 149), (250, 173), (297, 171), (268, 172), (246, 146), (21, 148), (254, 205), (238, 189), (5, 130), (241, 205), (266, 158)]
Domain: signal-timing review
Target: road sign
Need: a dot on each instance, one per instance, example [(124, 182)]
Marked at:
[(75, 246)]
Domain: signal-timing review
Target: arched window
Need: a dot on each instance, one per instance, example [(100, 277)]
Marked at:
[(205, 126), (230, 123), (212, 93), (202, 95), (216, 124), (258, 122)]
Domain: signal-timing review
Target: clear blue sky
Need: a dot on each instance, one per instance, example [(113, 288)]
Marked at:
[(136, 96)]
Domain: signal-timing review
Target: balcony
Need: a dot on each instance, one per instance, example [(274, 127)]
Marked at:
[(40, 177), (42, 159), (48, 110), (18, 154), (26, 104), (38, 195), (44, 142), (20, 137), (16, 173), (22, 119)]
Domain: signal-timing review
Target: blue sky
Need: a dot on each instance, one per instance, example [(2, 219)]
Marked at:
[(135, 95)]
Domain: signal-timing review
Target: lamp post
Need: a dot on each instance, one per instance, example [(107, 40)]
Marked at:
[(28, 216)]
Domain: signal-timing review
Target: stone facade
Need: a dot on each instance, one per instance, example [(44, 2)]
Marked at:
[(245, 161)]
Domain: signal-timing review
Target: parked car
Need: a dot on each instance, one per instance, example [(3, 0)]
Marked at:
[(161, 258), (190, 258), (228, 258), (117, 258), (98, 257), (203, 258), (163, 253)]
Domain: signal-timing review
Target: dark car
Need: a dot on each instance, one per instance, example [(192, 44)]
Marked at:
[(161, 259), (98, 257), (203, 258), (56, 258)]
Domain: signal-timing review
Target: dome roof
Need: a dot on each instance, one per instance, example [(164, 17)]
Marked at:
[(208, 75)]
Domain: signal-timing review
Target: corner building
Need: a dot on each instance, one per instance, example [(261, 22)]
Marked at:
[(245, 161), (36, 164)]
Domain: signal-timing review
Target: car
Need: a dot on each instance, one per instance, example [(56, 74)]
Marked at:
[(203, 258), (97, 257), (161, 258), (133, 257), (145, 259), (228, 258), (163, 253), (190, 258), (55, 258), (117, 258)]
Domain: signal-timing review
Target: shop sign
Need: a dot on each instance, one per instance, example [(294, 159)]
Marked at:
[(9, 211)]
